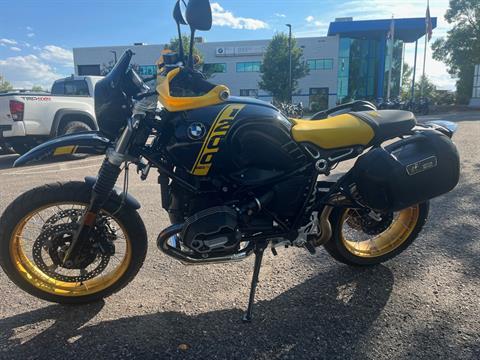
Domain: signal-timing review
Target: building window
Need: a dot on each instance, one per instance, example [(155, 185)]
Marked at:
[(84, 70), (320, 64), (476, 83), (215, 68), (249, 92), (147, 70), (318, 99), (253, 66)]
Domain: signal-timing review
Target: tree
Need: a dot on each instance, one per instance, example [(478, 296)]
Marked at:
[(460, 50), (37, 88), (275, 68), (429, 89), (4, 85), (406, 90), (174, 45)]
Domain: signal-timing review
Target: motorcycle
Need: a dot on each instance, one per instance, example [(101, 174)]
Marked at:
[(237, 178), (290, 110)]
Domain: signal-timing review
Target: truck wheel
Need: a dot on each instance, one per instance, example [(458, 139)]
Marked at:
[(73, 127), (22, 148)]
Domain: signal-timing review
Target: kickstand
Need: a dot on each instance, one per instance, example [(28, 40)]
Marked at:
[(259, 249)]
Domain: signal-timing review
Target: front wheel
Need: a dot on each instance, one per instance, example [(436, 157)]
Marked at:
[(364, 238), (37, 229)]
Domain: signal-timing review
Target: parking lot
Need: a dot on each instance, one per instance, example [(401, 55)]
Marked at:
[(423, 304)]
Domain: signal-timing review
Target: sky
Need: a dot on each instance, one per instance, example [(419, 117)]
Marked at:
[(37, 37)]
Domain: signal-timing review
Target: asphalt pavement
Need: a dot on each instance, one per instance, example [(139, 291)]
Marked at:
[(424, 304)]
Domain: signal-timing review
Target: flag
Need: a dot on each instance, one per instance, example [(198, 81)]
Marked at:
[(428, 23)]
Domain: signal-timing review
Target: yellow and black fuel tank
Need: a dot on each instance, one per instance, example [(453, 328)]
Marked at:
[(247, 139)]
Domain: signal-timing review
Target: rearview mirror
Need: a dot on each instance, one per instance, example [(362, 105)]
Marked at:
[(199, 15), (177, 14)]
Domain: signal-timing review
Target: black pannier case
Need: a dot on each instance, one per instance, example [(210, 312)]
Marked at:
[(407, 172)]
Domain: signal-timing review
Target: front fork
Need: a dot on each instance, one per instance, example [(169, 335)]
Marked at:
[(106, 179)]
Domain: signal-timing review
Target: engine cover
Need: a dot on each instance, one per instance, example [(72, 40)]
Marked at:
[(212, 230)]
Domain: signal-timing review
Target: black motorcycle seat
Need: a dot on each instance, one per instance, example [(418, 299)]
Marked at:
[(388, 124)]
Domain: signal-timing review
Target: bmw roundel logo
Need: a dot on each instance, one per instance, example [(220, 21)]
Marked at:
[(196, 131)]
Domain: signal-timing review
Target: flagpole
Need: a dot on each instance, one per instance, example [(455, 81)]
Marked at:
[(392, 43), (425, 49), (422, 81), (414, 71)]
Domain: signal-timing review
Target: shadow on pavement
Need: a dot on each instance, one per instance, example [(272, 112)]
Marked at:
[(6, 161), (325, 316)]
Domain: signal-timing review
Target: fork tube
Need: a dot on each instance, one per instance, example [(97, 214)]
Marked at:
[(106, 179)]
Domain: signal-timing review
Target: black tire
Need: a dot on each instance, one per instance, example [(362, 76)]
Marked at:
[(337, 249), (78, 192), (22, 148), (74, 127)]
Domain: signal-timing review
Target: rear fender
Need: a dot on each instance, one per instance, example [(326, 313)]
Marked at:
[(83, 143), (445, 127)]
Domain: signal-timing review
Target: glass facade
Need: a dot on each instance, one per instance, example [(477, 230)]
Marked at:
[(252, 66), (397, 58), (363, 66), (215, 68), (249, 92), (147, 70), (320, 64), (476, 83), (318, 98)]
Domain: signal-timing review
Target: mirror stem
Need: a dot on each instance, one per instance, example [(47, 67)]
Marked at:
[(192, 40), (180, 44)]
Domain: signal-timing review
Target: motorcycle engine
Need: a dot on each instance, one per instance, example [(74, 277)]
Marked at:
[(213, 230)]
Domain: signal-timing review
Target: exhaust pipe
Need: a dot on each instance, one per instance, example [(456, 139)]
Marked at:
[(176, 252), (325, 225)]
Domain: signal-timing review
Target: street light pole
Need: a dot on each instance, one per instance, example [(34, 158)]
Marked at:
[(114, 55), (290, 61)]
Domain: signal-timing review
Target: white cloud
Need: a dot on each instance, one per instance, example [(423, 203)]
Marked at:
[(57, 55), (14, 48), (280, 15), (30, 35), (309, 18), (8, 42), (29, 28), (222, 17), (26, 71)]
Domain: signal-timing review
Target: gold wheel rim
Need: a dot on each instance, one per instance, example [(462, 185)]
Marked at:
[(35, 277), (394, 236)]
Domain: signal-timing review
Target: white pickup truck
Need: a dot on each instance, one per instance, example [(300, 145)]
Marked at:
[(28, 119)]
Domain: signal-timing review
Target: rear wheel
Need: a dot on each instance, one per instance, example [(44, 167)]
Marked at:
[(37, 229), (362, 238)]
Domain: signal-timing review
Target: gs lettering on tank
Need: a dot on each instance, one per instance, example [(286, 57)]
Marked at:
[(217, 133)]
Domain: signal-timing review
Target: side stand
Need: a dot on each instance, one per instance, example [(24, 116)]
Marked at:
[(259, 249)]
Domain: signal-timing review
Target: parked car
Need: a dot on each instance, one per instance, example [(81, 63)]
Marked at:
[(30, 118)]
